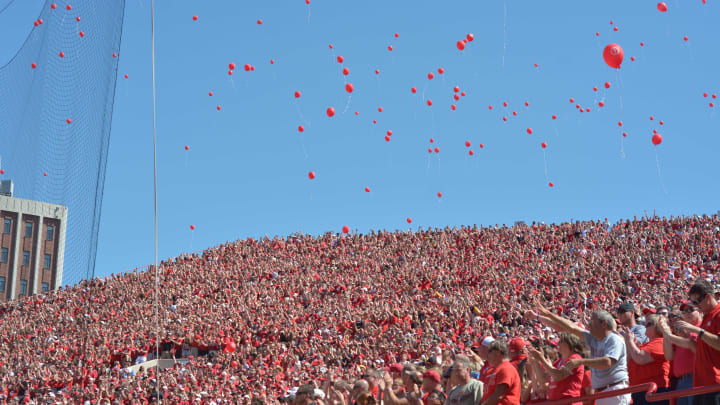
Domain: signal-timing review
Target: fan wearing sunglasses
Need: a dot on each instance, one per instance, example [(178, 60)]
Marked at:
[(707, 351), (647, 362)]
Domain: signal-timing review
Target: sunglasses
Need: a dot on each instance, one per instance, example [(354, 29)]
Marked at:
[(698, 300), (688, 310), (649, 324)]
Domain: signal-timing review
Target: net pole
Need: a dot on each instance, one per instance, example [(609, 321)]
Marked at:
[(157, 270)]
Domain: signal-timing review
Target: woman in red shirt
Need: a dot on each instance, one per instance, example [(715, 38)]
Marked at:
[(562, 383)]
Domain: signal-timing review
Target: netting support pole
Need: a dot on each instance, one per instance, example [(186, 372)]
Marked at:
[(157, 269)]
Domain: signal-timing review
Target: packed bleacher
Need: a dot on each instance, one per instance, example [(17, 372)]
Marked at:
[(327, 318)]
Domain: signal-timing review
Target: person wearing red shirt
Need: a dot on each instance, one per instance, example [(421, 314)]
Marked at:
[(562, 382), (504, 382), (680, 349), (707, 350), (647, 362)]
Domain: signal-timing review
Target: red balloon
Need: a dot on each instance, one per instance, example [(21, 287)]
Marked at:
[(429, 102), (195, 18), (34, 65), (127, 76), (572, 100), (685, 39), (657, 139), (301, 128), (414, 90), (187, 147), (114, 55), (218, 108), (515, 113), (439, 194), (76, 19), (397, 35), (330, 46), (624, 134), (247, 67), (192, 227), (527, 104), (210, 94), (529, 130), (346, 229), (311, 175), (430, 75), (662, 7), (62, 54), (230, 72), (453, 107), (297, 94), (45, 174), (471, 152), (505, 104), (69, 7), (390, 48), (2, 171), (661, 123), (613, 55), (490, 107), (346, 71), (272, 61), (543, 145), (259, 22), (377, 72), (82, 34), (429, 150), (619, 123), (330, 111), (380, 109), (594, 88), (387, 138), (554, 116), (432, 140), (607, 85), (340, 59), (441, 70), (652, 118), (456, 89), (460, 45), (463, 94), (367, 189), (409, 220), (551, 184), (53, 6), (467, 144), (349, 87), (69, 121), (456, 97), (482, 145), (470, 37), (601, 104), (615, 29), (232, 65)]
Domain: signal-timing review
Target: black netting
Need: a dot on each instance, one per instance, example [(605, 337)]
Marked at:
[(35, 104)]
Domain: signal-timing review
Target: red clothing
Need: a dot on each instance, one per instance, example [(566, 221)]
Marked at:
[(684, 359), (657, 371), (707, 359), (570, 387), (504, 373), (587, 383), (485, 371)]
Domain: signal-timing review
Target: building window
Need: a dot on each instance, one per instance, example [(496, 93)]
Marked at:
[(26, 258), (28, 229), (23, 287), (45, 287), (50, 232), (48, 260), (2, 284), (4, 255), (6, 225)]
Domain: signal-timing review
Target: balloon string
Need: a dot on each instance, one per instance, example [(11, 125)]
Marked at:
[(662, 183), (348, 104), (232, 82), (425, 88), (308, 15), (192, 236), (545, 163), (556, 130), (302, 144), (622, 147), (302, 118)]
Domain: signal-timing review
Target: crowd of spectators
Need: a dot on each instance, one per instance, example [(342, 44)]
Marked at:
[(334, 317)]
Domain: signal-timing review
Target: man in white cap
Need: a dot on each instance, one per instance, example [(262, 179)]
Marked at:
[(479, 354)]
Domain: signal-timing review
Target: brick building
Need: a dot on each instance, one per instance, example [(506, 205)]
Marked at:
[(32, 246)]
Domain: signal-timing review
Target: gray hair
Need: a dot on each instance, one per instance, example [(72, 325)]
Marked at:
[(604, 316), (361, 384), (463, 361)]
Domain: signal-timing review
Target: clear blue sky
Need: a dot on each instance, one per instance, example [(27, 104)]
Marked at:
[(246, 173)]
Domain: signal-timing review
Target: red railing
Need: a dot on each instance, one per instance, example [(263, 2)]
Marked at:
[(651, 394)]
